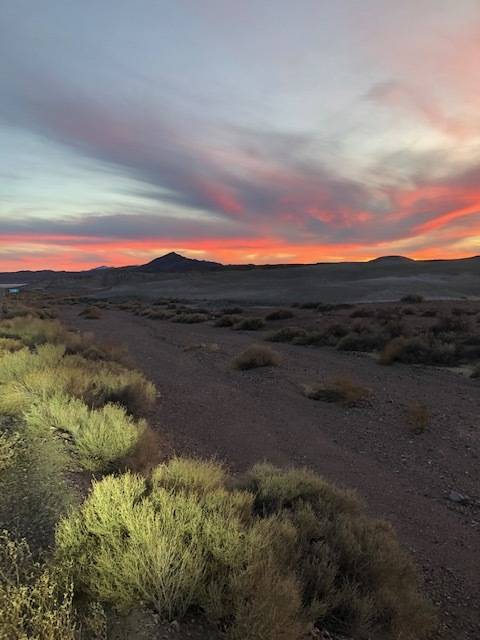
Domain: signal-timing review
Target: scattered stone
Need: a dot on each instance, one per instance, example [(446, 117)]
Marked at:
[(459, 498)]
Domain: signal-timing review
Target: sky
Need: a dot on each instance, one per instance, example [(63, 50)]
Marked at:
[(263, 131)]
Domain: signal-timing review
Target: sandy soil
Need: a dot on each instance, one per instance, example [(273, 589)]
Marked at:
[(208, 409)]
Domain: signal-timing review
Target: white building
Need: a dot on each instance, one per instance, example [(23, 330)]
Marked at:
[(10, 288)]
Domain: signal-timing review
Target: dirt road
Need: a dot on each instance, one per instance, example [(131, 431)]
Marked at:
[(209, 409)]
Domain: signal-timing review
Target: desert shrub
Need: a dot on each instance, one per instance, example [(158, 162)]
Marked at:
[(285, 334), (355, 577), (34, 331), (336, 331), (311, 338), (429, 313), (418, 350), (250, 324), (309, 305), (256, 356), (227, 321), (450, 324), (26, 376), (476, 372), (408, 311), (326, 308), (35, 600), (412, 298), (189, 474), (158, 314), (117, 385), (10, 344), (177, 550), (232, 311), (363, 312), (341, 390), (190, 318), (91, 313), (279, 314), (418, 417), (394, 328), (365, 341), (33, 493), (101, 438)]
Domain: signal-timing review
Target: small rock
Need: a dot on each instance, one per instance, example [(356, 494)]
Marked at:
[(459, 498)]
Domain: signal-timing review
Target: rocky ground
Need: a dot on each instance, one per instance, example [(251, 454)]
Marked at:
[(426, 485)]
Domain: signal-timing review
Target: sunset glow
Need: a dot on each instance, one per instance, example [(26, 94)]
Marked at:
[(240, 132)]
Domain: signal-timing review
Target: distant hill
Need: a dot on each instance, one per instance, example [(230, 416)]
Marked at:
[(176, 263), (392, 260)]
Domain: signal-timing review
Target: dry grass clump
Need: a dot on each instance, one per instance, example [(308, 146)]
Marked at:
[(418, 417), (419, 350), (232, 311), (412, 298), (279, 314), (250, 324), (227, 321), (341, 390), (158, 314), (190, 318), (256, 356), (285, 334), (362, 341), (91, 313), (35, 600), (363, 312)]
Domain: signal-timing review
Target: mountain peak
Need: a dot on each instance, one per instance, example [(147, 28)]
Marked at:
[(173, 261)]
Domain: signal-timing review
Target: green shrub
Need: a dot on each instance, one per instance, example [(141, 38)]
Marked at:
[(101, 438), (279, 314), (35, 600), (10, 344), (190, 475), (250, 324), (178, 550), (286, 334), (34, 331), (256, 356), (26, 376)]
